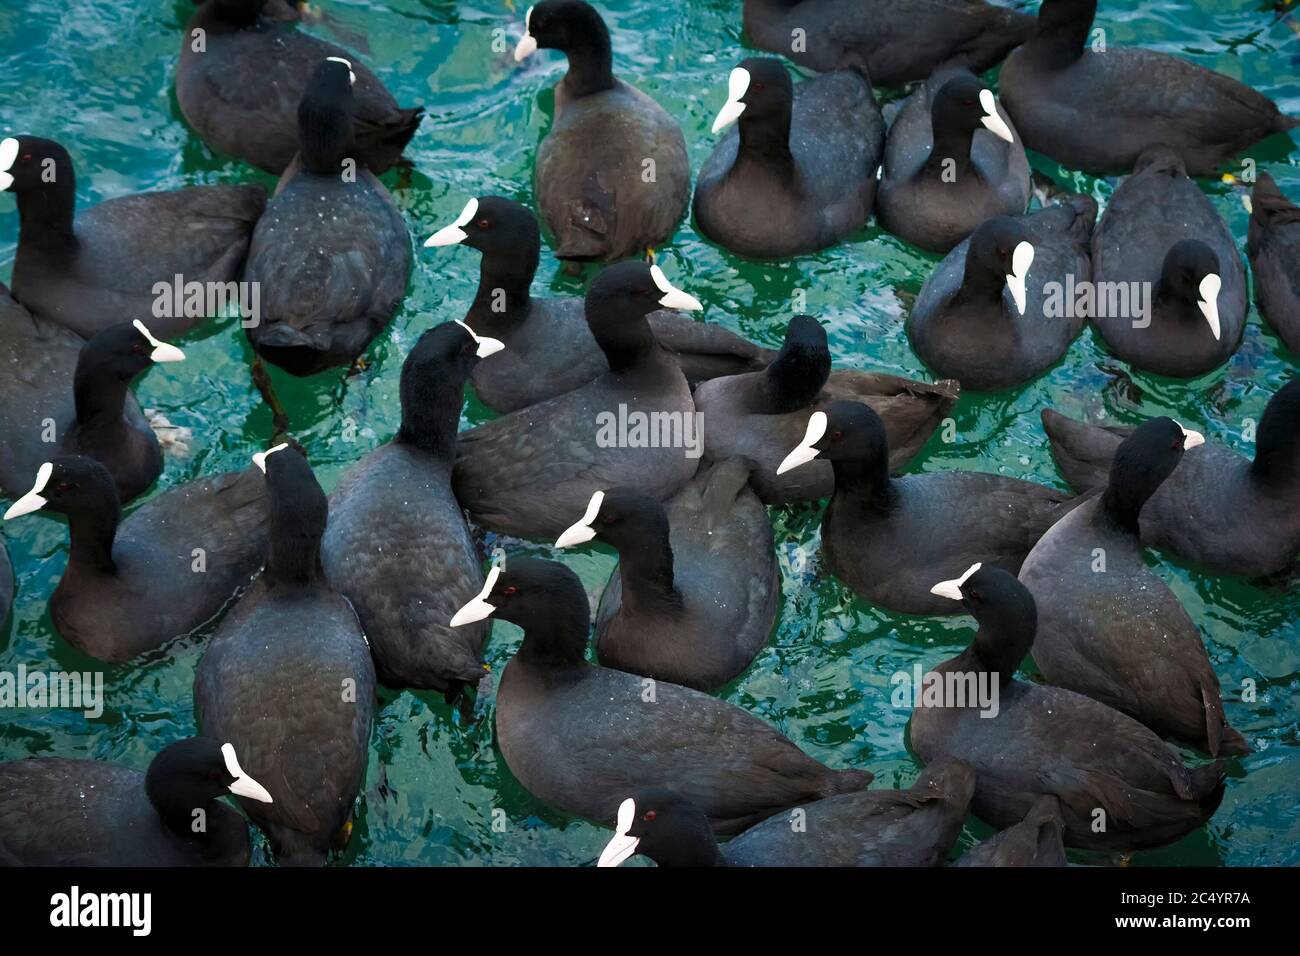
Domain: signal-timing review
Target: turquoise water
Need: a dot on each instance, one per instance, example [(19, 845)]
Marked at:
[(97, 77)]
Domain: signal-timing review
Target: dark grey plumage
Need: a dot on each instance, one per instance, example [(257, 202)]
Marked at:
[(132, 585), (397, 545), (1219, 510), (894, 41), (1034, 841), (583, 738), (965, 323), (1160, 230), (1099, 110), (1102, 765), (1273, 248), (944, 173), (761, 415), (241, 91), (288, 680), (99, 267), (798, 173)]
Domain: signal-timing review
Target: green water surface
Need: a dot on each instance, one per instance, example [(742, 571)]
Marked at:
[(98, 77)]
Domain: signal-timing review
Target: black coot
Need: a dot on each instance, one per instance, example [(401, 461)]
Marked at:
[(890, 538), (1034, 841), (762, 415), (582, 737), (397, 545), (60, 386), (331, 254), (1161, 243), (1104, 767), (59, 812), (132, 585), (1099, 109), (549, 349), (1110, 628), (240, 84), (952, 160), (998, 310), (799, 171), (913, 827), (287, 678), (1219, 510), (106, 265), (530, 472), (1273, 247), (696, 591), (895, 40), (612, 174)]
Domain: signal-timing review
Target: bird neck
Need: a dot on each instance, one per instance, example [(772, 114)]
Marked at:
[(45, 214), (766, 142), (646, 572), (99, 396), (91, 533)]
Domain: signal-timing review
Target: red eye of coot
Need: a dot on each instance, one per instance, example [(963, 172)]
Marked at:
[(649, 816), (483, 223), (607, 519), (837, 435), (510, 590), (62, 486)]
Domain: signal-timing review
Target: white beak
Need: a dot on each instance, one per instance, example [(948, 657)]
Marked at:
[(621, 846), (737, 84), (32, 501), (527, 46), (1191, 438), (162, 352), (804, 452), (478, 608), (582, 531), (1209, 303), (454, 234), (952, 589), (1021, 259), (244, 785), (486, 344), (259, 457), (352, 77), (673, 298), (993, 120), (8, 153)]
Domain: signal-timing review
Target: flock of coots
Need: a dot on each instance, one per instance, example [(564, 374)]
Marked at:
[(318, 600)]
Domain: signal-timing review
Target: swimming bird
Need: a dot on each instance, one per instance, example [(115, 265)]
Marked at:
[(1111, 628), (242, 74), (287, 678), (798, 173), (38, 397), (1219, 511), (993, 314), (952, 160), (893, 41), (60, 812), (118, 260), (331, 254), (582, 737), (1273, 248), (913, 827), (1099, 108), (87, 412), (886, 537), (696, 591), (1120, 786), (132, 585), (397, 545), (762, 415), (549, 349), (1034, 841), (1161, 233), (529, 472), (612, 176)]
